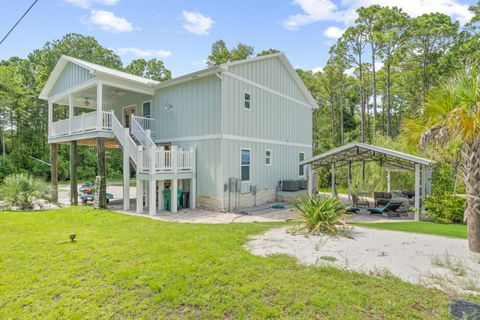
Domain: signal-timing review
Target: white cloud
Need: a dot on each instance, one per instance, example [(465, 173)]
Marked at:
[(108, 21), (350, 72), (333, 32), (139, 53), (327, 10), (197, 23), (88, 3), (378, 65), (317, 69)]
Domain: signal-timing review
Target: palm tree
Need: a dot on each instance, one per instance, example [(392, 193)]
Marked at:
[(451, 113)]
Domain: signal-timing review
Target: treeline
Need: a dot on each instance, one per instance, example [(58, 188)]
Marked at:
[(23, 117), (380, 71)]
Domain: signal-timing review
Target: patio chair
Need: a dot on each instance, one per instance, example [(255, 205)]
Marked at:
[(390, 209), (360, 202)]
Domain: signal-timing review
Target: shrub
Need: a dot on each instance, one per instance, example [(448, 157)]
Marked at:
[(445, 208), (442, 205), (320, 215), (21, 190)]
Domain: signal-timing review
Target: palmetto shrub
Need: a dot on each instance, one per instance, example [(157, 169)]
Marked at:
[(21, 190), (320, 215)]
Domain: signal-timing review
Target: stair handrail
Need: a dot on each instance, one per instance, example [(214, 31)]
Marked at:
[(142, 135), (125, 140)]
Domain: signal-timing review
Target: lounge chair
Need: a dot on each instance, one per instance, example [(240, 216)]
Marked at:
[(359, 201), (390, 209)]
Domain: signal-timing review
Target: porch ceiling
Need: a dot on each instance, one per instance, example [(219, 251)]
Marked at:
[(87, 98)]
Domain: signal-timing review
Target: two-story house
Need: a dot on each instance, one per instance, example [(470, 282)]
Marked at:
[(227, 134)]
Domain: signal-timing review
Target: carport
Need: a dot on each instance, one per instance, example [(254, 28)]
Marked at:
[(388, 159)]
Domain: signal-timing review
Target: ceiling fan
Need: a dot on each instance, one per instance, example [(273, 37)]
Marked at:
[(116, 93), (86, 103)]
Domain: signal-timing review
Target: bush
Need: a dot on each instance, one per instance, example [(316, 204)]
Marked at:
[(445, 208), (442, 205), (320, 215), (21, 190)]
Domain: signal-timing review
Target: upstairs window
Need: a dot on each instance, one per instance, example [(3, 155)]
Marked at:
[(245, 165), (146, 109), (268, 157), (247, 100), (301, 169)]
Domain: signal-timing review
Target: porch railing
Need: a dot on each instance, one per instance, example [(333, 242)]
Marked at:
[(145, 123), (80, 123), (169, 161)]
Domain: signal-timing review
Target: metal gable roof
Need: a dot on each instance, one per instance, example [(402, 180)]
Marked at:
[(357, 151), (94, 69)]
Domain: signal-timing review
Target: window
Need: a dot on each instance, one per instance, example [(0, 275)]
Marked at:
[(268, 157), (247, 100), (245, 165), (146, 109), (301, 170)]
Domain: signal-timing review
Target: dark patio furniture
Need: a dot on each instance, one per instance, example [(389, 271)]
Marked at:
[(390, 209), (381, 198), (360, 202)]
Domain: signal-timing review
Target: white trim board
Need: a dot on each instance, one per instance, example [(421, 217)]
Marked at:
[(258, 85), (233, 137)]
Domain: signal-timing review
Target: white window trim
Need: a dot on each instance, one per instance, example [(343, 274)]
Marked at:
[(250, 165), (270, 157), (301, 176), (245, 100), (143, 102)]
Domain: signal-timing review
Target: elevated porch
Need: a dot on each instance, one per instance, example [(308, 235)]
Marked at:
[(95, 111)]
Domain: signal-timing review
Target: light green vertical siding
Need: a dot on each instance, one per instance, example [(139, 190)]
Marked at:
[(270, 116), (130, 99), (208, 165), (284, 162), (195, 108), (270, 73), (71, 76), (285, 123), (195, 114)]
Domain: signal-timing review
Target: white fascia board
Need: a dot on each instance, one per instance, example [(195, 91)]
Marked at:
[(385, 151)]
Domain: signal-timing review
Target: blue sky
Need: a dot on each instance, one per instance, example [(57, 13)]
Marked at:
[(180, 32)]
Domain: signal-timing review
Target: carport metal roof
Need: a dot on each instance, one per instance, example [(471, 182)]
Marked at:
[(357, 151)]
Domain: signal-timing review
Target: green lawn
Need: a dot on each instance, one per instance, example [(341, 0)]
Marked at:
[(450, 230), (131, 267)]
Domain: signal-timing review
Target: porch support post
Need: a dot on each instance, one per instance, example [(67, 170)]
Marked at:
[(126, 175), (70, 112), (152, 183), (417, 192), (173, 195), (99, 106), (73, 174), (310, 179), (349, 180), (193, 184), (54, 171), (334, 187), (50, 117), (161, 202), (139, 188), (102, 172), (388, 181)]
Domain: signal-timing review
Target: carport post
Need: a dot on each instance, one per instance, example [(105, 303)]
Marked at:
[(417, 192), (349, 180), (388, 181), (424, 185)]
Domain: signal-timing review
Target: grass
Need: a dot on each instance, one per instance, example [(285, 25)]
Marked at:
[(449, 230), (130, 267)]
